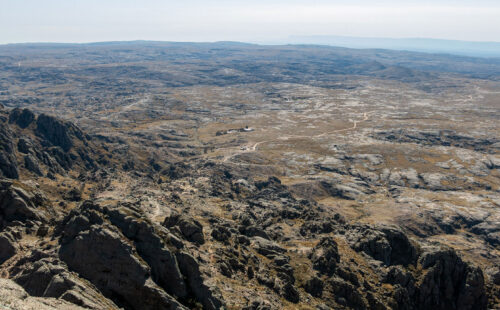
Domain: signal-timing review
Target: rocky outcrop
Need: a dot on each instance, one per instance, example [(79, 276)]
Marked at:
[(325, 256), (439, 137), (13, 296), (101, 255), (22, 117), (266, 247), (105, 243), (490, 231), (8, 163), (18, 204), (32, 164), (350, 191), (449, 283), (8, 246), (188, 227), (57, 132), (45, 145), (386, 244), (42, 275), (443, 282)]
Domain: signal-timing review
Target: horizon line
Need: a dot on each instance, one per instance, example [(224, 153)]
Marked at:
[(259, 42)]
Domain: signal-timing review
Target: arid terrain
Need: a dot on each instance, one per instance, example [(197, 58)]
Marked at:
[(150, 175)]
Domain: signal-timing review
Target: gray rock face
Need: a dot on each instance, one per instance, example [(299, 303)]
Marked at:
[(8, 246), (266, 247), (443, 281), (16, 204), (23, 118), (106, 243), (449, 283), (387, 244), (100, 255), (31, 163), (13, 296), (411, 177), (8, 163), (25, 145), (489, 230), (348, 191), (346, 294), (190, 228), (493, 162), (59, 146), (325, 256), (43, 276), (191, 271), (57, 132), (433, 181)]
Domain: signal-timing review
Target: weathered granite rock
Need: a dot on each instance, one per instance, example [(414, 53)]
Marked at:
[(14, 296), (325, 256), (8, 246), (387, 244), (17, 204), (104, 243), (57, 132), (22, 117), (190, 228), (8, 163), (449, 283)]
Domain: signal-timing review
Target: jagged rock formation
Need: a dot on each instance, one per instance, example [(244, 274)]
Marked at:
[(44, 145), (151, 270), (110, 255), (15, 297), (57, 132), (8, 164), (442, 137), (21, 206), (278, 249)]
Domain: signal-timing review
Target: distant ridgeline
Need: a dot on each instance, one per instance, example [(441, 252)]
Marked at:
[(466, 48)]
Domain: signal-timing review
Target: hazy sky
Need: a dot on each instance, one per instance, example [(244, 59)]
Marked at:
[(257, 20)]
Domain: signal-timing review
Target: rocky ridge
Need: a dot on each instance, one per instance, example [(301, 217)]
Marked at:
[(222, 237)]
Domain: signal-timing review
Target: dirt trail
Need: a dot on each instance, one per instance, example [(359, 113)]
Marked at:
[(253, 148)]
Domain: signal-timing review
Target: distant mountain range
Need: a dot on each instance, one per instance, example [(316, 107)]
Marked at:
[(466, 48)]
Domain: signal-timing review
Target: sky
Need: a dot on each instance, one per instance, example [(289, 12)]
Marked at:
[(247, 21)]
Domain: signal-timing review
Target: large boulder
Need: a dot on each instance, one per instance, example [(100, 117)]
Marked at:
[(266, 247), (25, 145), (189, 228)]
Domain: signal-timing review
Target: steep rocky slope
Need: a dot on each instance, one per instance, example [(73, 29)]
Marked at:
[(44, 145), (219, 239)]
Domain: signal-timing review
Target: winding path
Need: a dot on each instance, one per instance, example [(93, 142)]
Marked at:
[(253, 148)]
